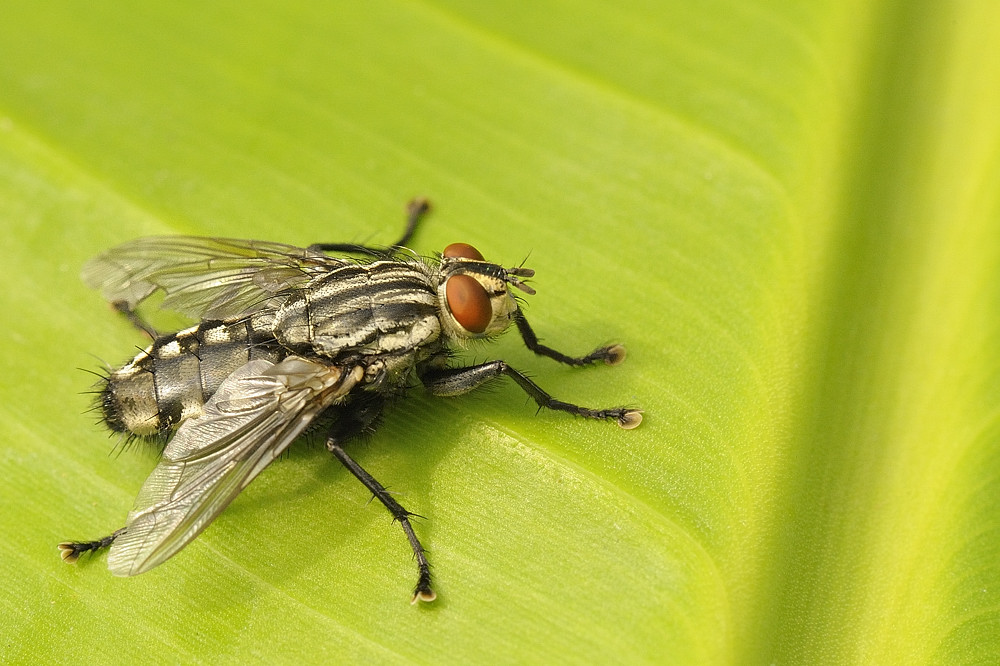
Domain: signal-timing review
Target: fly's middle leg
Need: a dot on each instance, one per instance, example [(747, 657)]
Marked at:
[(456, 381), (352, 422)]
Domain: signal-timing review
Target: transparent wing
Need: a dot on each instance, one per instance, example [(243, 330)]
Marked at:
[(256, 413), (212, 278)]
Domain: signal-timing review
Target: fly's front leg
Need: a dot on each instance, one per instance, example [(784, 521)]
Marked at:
[(354, 420), (415, 209), (456, 381), (612, 354)]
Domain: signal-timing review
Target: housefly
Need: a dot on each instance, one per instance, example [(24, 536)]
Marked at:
[(291, 339)]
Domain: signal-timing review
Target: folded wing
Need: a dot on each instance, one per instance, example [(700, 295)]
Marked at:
[(211, 278), (255, 414)]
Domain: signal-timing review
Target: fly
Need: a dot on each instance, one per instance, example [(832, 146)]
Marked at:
[(290, 339)]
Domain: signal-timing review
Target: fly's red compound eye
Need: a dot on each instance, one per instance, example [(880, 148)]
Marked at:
[(468, 301), (462, 250)]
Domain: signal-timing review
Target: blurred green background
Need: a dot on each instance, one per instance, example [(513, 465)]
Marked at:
[(788, 212)]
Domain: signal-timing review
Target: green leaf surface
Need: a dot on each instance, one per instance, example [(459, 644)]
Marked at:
[(788, 211)]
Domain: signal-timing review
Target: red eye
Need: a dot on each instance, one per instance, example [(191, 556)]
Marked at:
[(469, 303), (463, 250)]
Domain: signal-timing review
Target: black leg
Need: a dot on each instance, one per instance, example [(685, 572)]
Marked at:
[(134, 319), (415, 209), (72, 550), (612, 354), (456, 381), (352, 422)]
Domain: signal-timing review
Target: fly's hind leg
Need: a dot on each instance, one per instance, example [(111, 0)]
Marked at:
[(456, 381), (352, 421), (72, 550), (415, 209), (133, 317)]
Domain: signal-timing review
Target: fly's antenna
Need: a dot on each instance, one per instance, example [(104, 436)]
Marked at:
[(511, 277)]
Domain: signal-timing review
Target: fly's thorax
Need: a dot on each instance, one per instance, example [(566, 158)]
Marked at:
[(170, 380), (475, 297), (383, 307)]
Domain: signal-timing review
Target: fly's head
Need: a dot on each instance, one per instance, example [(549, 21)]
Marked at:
[(475, 294)]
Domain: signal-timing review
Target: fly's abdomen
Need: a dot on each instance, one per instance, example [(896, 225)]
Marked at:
[(382, 307), (171, 379)]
